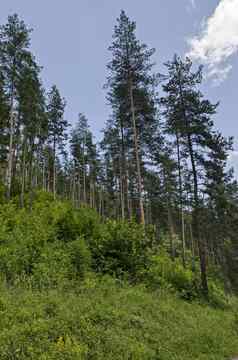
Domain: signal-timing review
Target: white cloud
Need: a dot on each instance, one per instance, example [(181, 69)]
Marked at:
[(218, 40)]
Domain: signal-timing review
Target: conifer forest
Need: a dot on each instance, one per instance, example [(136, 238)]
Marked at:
[(123, 246)]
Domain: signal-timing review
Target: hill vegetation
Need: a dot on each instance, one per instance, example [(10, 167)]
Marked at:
[(75, 286)]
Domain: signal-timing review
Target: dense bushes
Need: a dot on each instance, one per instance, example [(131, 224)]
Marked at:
[(166, 273), (91, 289), (43, 244), (52, 243), (121, 249)]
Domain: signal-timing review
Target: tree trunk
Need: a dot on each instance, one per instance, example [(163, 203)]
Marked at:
[(10, 152), (84, 173), (73, 191), (138, 166), (79, 189), (122, 194), (23, 174), (54, 169), (196, 216), (181, 200), (192, 246), (124, 175)]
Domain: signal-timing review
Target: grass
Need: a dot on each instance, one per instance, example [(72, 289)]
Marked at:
[(108, 319)]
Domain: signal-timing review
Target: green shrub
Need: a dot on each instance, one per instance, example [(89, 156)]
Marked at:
[(53, 267), (163, 272), (34, 242), (217, 296), (80, 256), (70, 223), (2, 193), (121, 248)]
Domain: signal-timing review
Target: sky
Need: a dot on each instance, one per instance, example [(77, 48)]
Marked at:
[(71, 39)]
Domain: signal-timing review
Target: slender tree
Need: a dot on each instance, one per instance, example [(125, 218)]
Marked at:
[(56, 128)]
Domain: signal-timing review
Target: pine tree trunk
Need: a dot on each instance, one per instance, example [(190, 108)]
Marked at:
[(84, 173), (73, 188), (171, 231), (122, 194), (10, 151), (128, 201), (79, 189), (124, 176), (181, 200), (192, 246), (201, 244), (23, 174), (54, 169), (31, 171), (138, 166), (43, 175)]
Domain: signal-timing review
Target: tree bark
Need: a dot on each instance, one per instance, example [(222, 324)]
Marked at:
[(10, 152), (181, 200), (138, 165), (54, 169)]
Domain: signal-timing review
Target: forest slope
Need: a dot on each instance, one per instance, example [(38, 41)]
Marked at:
[(75, 286)]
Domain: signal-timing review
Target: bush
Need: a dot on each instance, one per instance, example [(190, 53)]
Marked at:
[(121, 249), (163, 272), (217, 296), (45, 243), (80, 257), (53, 267)]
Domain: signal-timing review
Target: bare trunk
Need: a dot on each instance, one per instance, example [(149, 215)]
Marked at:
[(122, 194), (172, 234), (192, 246), (73, 188), (196, 216), (181, 200), (124, 176), (84, 173), (138, 166), (23, 175), (54, 169), (79, 189), (10, 152)]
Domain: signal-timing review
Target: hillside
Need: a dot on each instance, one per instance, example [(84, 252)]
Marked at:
[(76, 287), (105, 319)]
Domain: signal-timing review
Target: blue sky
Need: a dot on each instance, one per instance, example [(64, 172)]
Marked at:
[(71, 38)]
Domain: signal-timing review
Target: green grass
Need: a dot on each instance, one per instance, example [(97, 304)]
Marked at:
[(107, 319)]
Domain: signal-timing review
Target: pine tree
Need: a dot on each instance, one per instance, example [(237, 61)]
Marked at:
[(56, 129), (4, 117), (131, 86)]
